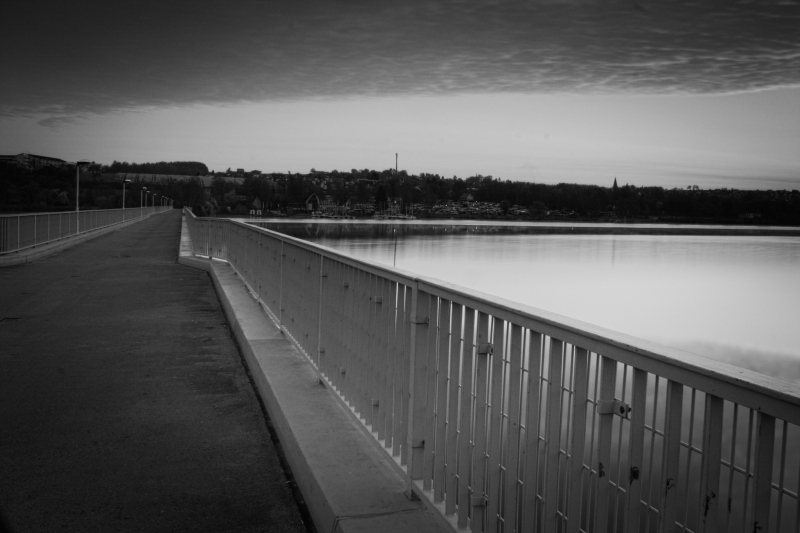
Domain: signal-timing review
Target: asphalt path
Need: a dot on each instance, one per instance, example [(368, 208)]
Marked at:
[(124, 403)]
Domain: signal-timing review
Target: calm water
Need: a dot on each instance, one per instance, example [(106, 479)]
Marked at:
[(733, 298)]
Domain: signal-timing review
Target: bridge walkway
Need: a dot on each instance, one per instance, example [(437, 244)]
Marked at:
[(124, 403)]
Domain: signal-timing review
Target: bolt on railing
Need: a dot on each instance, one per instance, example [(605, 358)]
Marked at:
[(509, 418)]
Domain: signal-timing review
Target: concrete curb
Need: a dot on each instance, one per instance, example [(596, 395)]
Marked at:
[(349, 485), (38, 252)]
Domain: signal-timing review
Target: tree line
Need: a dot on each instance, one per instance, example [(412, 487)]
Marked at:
[(52, 189), (564, 200), (181, 168)]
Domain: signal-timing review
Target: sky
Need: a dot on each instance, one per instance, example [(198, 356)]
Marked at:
[(669, 93)]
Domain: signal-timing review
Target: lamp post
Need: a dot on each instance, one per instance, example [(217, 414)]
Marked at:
[(78, 166), (141, 201)]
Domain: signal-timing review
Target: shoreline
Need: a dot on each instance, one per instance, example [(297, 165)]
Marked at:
[(432, 226)]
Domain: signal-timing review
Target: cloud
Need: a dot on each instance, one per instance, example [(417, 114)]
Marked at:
[(56, 121), (90, 56)]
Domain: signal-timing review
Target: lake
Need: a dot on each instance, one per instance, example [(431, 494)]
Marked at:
[(734, 298)]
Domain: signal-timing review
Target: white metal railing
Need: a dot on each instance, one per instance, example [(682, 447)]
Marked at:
[(510, 418), (26, 230)]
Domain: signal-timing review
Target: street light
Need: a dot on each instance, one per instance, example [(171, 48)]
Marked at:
[(78, 166), (141, 203)]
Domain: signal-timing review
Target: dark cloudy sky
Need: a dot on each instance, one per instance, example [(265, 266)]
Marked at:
[(670, 93)]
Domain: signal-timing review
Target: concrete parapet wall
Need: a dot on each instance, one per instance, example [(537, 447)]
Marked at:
[(349, 485)]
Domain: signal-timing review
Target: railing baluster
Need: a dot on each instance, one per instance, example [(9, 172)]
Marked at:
[(532, 426), (513, 443), (479, 457), (552, 454), (400, 376), (578, 439), (365, 364), (672, 454), (636, 450), (452, 412), (374, 350), (355, 368), (781, 475), (762, 473), (441, 400), (495, 425), (326, 315), (465, 423), (712, 455), (608, 377), (384, 385), (391, 366), (533, 409), (348, 338), (418, 370), (430, 392), (404, 382)]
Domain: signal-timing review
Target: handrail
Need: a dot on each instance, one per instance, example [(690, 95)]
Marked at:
[(26, 230), (634, 436)]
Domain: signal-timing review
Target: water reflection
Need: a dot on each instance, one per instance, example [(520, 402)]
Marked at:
[(733, 298)]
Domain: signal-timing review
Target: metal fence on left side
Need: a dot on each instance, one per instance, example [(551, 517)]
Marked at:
[(18, 232)]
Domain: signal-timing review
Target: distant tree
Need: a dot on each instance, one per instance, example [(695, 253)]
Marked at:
[(363, 191), (380, 197)]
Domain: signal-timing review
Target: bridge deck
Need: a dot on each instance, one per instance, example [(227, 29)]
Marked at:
[(124, 404)]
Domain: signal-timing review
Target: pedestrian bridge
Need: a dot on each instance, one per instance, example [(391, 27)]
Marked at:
[(503, 417)]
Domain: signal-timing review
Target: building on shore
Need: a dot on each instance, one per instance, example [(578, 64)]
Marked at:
[(31, 162)]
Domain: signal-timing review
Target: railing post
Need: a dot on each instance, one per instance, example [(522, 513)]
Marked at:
[(636, 450), (484, 351), (494, 468), (762, 472), (465, 424), (580, 380), (417, 402), (672, 451), (280, 293), (710, 470), (608, 369), (322, 276), (553, 429)]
